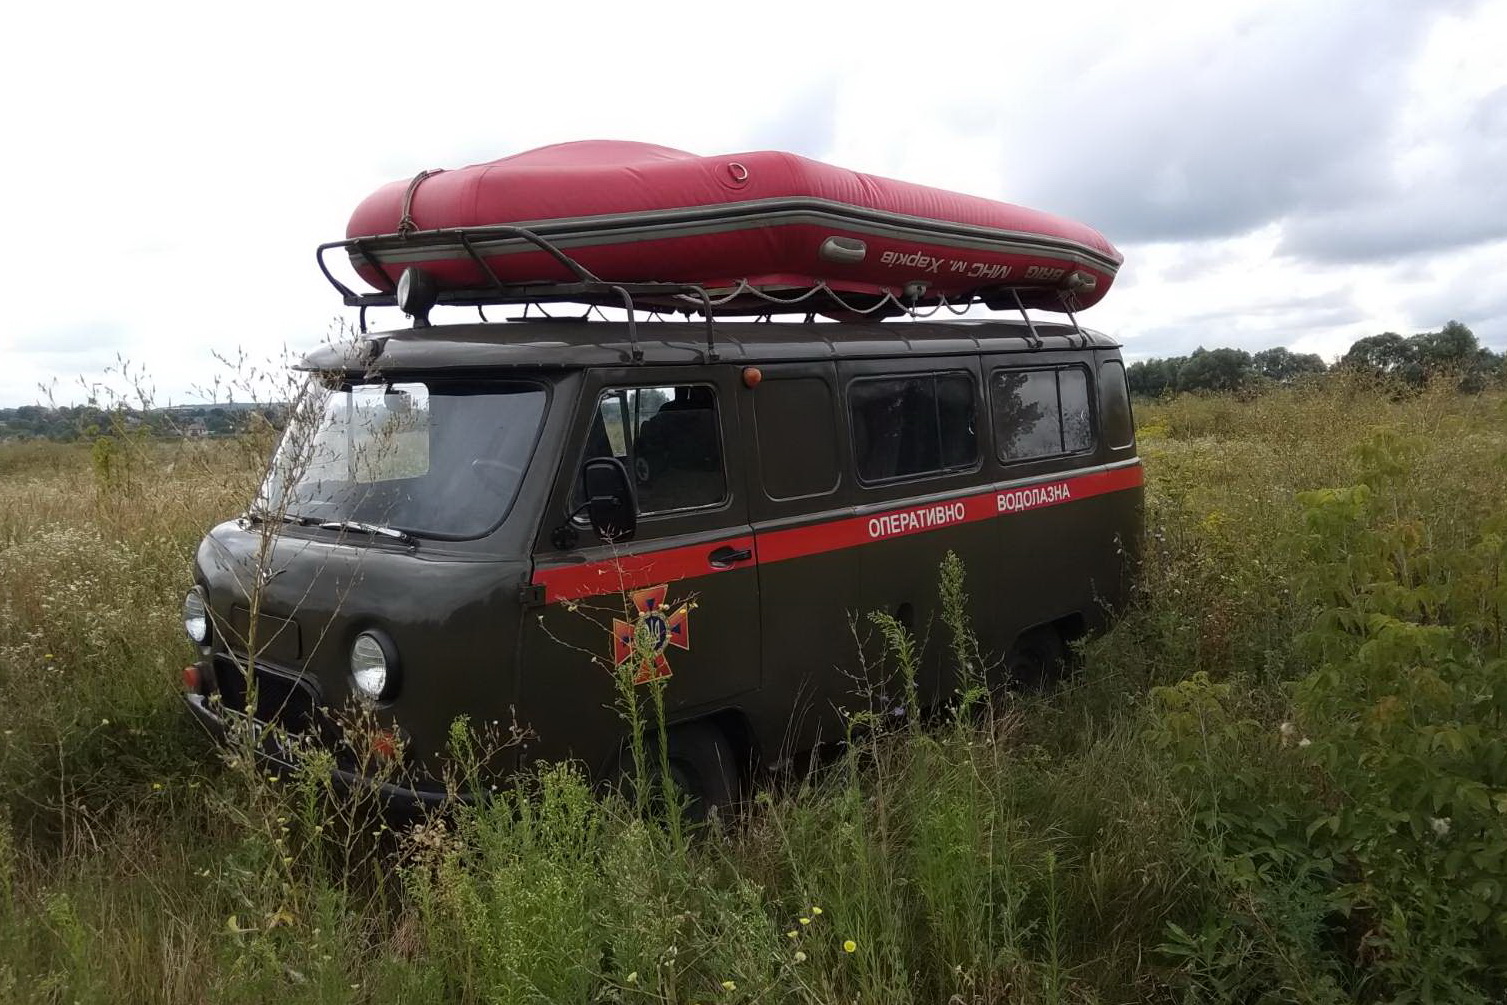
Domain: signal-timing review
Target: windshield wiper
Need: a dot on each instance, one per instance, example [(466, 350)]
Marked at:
[(302, 521), (368, 528)]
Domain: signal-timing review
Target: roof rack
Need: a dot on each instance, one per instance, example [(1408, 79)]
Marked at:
[(656, 297)]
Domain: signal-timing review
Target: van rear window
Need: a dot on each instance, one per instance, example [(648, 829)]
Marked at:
[(1114, 398), (913, 425), (1041, 413)]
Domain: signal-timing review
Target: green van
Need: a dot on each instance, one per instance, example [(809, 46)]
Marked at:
[(495, 520)]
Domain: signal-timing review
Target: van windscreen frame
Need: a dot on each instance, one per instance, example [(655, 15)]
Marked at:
[(462, 482)]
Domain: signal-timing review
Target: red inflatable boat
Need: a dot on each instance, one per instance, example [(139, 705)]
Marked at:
[(752, 228)]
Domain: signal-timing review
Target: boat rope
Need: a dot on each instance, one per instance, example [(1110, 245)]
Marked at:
[(406, 226), (888, 301)]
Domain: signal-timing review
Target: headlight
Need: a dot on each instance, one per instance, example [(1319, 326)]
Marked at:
[(196, 616), (373, 669)]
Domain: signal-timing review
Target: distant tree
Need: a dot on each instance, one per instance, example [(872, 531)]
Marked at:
[(1385, 355), (1453, 347), (1452, 350), (1282, 366), (1216, 370), (1154, 377)]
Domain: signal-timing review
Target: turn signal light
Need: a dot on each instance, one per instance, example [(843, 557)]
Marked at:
[(385, 744)]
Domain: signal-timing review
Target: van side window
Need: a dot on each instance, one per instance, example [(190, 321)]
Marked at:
[(1114, 399), (670, 441), (1041, 413), (913, 425), (797, 437)]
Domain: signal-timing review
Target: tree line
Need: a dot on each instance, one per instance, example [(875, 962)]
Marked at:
[(1453, 351), (84, 422)]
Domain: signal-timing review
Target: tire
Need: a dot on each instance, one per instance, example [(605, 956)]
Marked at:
[(1038, 659), (702, 766)]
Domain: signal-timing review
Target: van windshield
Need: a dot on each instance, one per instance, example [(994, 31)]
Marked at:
[(436, 459)]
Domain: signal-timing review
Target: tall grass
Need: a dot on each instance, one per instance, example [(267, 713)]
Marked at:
[(1153, 828)]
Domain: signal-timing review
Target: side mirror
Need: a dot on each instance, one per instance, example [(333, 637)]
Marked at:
[(610, 504)]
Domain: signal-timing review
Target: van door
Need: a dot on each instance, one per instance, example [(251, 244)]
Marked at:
[(1046, 447), (918, 443), (687, 583), (799, 499)]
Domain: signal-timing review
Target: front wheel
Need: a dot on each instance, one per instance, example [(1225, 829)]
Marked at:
[(702, 770)]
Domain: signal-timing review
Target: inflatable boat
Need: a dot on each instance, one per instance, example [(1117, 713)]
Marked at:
[(760, 231)]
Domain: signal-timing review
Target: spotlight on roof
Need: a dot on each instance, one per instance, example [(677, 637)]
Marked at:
[(416, 295)]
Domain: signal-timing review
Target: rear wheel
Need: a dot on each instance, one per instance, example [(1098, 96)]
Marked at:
[(1038, 658)]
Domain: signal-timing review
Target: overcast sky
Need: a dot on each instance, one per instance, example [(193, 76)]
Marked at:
[(1297, 174)]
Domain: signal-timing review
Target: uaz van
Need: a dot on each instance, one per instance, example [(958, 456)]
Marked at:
[(496, 520)]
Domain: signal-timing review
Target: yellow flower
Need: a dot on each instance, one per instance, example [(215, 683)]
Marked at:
[(633, 977), (850, 946), (816, 910), (800, 957), (729, 986), (805, 921), (791, 934)]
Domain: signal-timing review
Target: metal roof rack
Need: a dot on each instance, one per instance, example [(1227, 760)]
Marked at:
[(656, 297)]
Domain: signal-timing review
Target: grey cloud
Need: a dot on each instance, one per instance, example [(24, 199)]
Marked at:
[(1464, 202), (1474, 295), (1251, 326), (805, 125), (1291, 112)]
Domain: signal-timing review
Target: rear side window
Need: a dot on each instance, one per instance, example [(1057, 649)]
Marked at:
[(1041, 413), (913, 425), (670, 441), (797, 437), (1114, 399)]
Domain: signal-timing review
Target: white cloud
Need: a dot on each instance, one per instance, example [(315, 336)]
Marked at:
[(172, 166)]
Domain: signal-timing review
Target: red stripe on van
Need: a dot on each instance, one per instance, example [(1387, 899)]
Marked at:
[(849, 532), (629, 572)]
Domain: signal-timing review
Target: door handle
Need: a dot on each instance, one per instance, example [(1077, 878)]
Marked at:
[(726, 556)]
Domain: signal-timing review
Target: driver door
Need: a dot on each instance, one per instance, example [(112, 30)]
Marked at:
[(685, 586)]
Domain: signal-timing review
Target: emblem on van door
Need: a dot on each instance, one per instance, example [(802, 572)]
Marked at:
[(650, 633)]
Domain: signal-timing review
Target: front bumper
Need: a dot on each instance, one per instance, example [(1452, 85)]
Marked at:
[(398, 798)]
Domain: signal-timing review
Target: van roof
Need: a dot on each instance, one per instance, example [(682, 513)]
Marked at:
[(555, 343)]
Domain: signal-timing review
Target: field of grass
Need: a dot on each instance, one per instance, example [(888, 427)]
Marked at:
[(1281, 777)]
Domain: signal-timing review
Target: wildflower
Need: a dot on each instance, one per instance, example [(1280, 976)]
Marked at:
[(48, 656), (791, 934), (816, 910), (850, 946), (633, 977), (156, 786), (1304, 742), (805, 921), (1440, 825), (1285, 731), (800, 957), (104, 722), (729, 986)]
